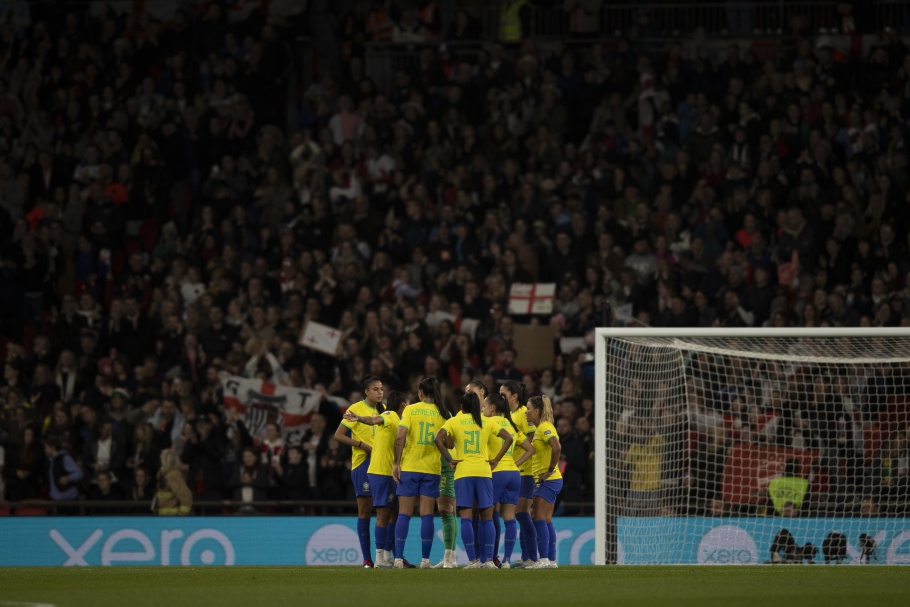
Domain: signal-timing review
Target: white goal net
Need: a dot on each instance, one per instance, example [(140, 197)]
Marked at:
[(725, 446)]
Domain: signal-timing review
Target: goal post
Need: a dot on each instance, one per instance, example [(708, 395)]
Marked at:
[(736, 446)]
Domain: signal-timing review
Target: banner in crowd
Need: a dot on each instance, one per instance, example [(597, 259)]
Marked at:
[(320, 337), (748, 540), (750, 467), (280, 540), (260, 402), (532, 298)]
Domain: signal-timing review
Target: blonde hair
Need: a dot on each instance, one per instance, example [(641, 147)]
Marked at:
[(543, 404)]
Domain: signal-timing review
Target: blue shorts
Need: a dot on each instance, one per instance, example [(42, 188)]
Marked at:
[(506, 486), (527, 487), (383, 488), (548, 490), (470, 489), (360, 481), (418, 483)]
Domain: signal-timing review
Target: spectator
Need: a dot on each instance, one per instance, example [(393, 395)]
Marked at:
[(204, 456), (64, 474), (645, 459), (788, 491), (141, 489), (105, 452), (294, 478), (173, 497), (105, 490), (24, 467), (154, 215), (250, 481)]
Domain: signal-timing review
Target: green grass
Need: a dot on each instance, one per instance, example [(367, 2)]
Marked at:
[(804, 586)]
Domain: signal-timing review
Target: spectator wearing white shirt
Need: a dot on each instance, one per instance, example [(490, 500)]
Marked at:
[(192, 286)]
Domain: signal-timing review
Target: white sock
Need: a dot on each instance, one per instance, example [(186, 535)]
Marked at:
[(380, 557)]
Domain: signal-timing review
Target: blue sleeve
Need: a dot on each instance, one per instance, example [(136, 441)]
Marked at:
[(74, 472)]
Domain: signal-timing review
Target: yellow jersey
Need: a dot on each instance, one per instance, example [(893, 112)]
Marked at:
[(422, 421), (471, 441), (526, 428), (645, 461), (384, 445), (507, 463), (360, 432), (540, 462)]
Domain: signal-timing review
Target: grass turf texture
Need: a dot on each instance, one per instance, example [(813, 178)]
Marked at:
[(806, 586)]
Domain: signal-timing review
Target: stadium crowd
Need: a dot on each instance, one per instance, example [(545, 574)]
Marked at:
[(162, 220)]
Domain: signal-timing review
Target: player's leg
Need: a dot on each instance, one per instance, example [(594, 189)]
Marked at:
[(364, 509), (429, 491), (407, 498), (383, 513), (446, 506), (542, 510), (382, 487), (528, 534), (484, 490), (478, 533), (464, 502), (497, 531), (507, 512)]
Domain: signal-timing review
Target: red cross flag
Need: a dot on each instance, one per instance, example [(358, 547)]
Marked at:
[(320, 337), (534, 298)]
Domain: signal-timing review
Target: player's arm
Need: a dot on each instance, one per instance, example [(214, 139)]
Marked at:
[(372, 420), (507, 441), (442, 441), (555, 450), (529, 452), (400, 439), (343, 436)]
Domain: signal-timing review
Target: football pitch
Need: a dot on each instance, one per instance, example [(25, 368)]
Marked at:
[(806, 586)]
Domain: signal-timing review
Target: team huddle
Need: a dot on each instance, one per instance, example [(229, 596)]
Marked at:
[(494, 463)]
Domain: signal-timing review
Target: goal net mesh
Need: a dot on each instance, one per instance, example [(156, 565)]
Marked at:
[(756, 449)]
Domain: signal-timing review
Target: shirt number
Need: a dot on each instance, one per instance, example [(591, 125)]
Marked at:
[(426, 434), (509, 450), (472, 441)]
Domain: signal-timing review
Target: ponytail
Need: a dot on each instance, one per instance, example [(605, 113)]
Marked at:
[(471, 404), (542, 403), (502, 408), (395, 400), (518, 389), (430, 388)]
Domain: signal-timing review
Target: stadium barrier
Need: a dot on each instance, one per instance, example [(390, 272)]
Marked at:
[(749, 540), (332, 541), (114, 540), (39, 507)]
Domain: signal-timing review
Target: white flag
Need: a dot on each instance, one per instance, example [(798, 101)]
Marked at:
[(532, 298), (320, 337)]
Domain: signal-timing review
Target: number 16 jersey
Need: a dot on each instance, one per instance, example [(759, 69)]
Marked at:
[(420, 454)]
